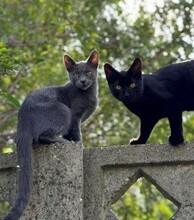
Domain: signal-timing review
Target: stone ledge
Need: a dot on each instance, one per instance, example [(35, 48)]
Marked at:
[(7, 161), (141, 154), (60, 171), (109, 172), (57, 183)]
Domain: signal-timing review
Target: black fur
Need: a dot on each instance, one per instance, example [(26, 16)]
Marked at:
[(49, 112), (164, 94)]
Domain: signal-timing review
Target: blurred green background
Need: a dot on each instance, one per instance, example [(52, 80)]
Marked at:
[(35, 34)]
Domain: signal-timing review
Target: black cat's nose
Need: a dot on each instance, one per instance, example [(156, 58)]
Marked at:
[(126, 94), (83, 81)]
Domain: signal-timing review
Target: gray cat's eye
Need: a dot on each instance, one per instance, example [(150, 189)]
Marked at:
[(75, 75), (89, 73)]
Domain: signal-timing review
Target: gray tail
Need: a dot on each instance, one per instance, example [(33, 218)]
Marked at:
[(24, 156)]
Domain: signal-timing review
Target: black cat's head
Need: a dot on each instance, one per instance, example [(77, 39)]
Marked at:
[(82, 74), (126, 86)]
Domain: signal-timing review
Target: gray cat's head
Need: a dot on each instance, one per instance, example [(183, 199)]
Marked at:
[(82, 74)]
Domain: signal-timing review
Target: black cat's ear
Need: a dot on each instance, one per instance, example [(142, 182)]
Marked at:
[(93, 58), (110, 72), (135, 68), (69, 62)]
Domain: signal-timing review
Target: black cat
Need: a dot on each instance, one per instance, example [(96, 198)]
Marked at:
[(49, 112), (164, 94)]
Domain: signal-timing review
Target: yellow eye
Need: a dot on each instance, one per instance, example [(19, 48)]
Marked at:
[(132, 85), (89, 73), (75, 75), (118, 87)]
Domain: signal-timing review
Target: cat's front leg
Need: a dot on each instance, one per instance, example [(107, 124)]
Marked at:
[(67, 137), (176, 136), (74, 133), (145, 130)]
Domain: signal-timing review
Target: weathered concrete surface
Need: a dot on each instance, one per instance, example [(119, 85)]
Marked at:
[(7, 177), (109, 172), (57, 186)]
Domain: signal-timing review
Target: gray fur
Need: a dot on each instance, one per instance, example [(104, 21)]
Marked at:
[(50, 112)]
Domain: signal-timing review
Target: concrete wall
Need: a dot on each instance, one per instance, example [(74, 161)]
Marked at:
[(57, 186), (72, 183)]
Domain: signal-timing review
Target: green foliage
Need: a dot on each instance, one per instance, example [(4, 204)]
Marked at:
[(6, 63), (12, 100), (144, 202), (35, 34), (3, 207)]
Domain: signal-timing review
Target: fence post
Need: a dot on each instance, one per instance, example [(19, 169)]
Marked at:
[(58, 183)]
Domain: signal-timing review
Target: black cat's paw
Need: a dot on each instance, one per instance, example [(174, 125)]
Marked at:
[(135, 141), (173, 140)]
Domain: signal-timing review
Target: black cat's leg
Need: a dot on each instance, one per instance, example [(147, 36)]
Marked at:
[(176, 136), (145, 130)]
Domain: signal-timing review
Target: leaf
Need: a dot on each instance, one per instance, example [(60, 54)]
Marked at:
[(4, 38), (12, 100), (7, 150), (94, 35), (39, 60)]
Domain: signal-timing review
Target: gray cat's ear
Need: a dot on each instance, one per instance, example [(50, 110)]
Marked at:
[(93, 59), (69, 62), (110, 72), (135, 68)]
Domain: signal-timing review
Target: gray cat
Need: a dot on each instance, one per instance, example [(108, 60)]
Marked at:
[(52, 111)]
